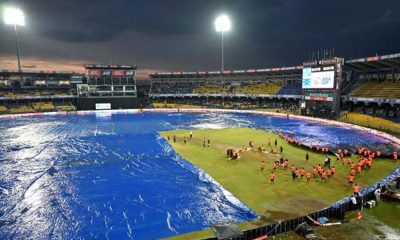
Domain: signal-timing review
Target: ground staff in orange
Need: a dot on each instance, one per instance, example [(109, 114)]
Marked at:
[(333, 169), (285, 164), (359, 169), (302, 172), (351, 179), (323, 176), (272, 177), (315, 172), (329, 173), (262, 165), (308, 176), (356, 189)]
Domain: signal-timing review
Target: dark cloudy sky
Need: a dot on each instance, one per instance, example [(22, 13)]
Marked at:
[(179, 35)]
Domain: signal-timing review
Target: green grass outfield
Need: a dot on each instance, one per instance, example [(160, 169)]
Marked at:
[(243, 178)]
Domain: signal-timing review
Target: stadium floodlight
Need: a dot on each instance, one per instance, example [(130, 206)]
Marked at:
[(222, 24), (14, 16)]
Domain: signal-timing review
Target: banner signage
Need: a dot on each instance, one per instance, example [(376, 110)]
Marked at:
[(319, 96), (103, 106), (118, 73), (93, 73)]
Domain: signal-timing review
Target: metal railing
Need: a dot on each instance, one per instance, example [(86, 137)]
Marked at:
[(336, 212)]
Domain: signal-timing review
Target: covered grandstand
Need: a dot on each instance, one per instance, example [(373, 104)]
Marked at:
[(259, 82), (373, 85), (38, 91), (272, 88), (368, 85)]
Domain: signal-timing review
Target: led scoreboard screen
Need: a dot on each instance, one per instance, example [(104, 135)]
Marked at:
[(319, 77)]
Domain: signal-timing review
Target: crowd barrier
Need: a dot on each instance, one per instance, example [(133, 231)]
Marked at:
[(336, 212)]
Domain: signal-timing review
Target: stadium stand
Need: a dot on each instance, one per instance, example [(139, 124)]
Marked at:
[(43, 106), (3, 109), (379, 89), (20, 108), (244, 87), (260, 88), (238, 88), (173, 88), (276, 105), (371, 122), (211, 88), (291, 88), (64, 106)]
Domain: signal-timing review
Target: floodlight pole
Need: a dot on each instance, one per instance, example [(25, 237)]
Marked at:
[(222, 52), (17, 46)]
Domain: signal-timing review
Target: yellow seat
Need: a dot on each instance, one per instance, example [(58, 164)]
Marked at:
[(378, 89)]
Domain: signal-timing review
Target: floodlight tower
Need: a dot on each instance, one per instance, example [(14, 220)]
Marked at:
[(222, 24), (15, 16)]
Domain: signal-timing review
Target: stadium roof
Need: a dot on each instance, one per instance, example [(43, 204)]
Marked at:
[(374, 63), (4, 72), (119, 67), (247, 72), (369, 63)]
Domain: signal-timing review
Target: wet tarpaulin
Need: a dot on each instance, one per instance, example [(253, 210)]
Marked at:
[(111, 176), (226, 230)]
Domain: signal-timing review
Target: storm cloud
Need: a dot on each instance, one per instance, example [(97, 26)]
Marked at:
[(179, 35)]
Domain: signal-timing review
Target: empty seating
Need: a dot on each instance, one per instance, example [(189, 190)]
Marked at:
[(244, 88), (291, 88), (259, 88), (211, 89), (3, 109), (21, 108), (64, 106), (379, 89), (43, 106)]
